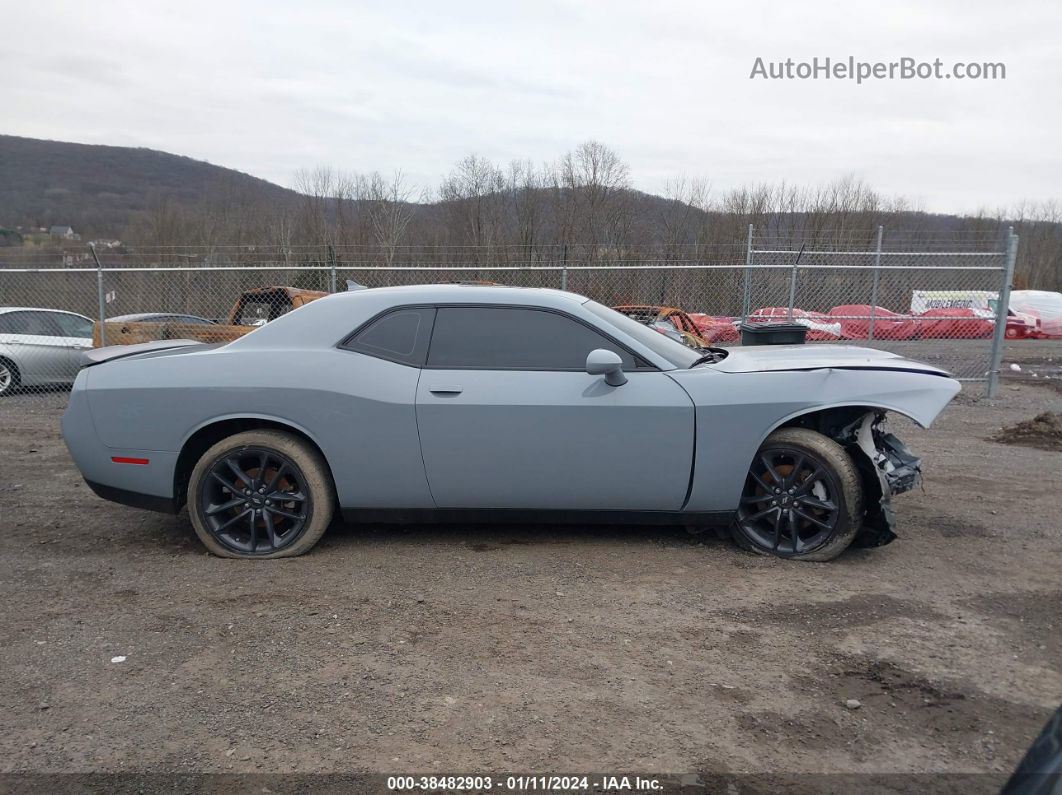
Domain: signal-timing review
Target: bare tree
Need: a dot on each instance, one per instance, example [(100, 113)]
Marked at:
[(579, 208), (391, 210)]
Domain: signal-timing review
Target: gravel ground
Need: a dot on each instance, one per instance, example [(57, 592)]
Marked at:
[(460, 649)]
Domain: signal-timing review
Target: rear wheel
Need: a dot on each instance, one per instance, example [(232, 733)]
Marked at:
[(9, 377), (260, 494), (802, 498)]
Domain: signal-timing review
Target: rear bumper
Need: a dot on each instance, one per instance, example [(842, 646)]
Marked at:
[(143, 478), (135, 499)]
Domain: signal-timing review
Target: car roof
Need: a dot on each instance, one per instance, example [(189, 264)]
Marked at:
[(328, 319), (6, 309), (471, 293)]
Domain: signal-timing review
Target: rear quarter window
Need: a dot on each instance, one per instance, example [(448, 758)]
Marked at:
[(401, 335)]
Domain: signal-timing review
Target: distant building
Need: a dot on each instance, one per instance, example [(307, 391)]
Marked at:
[(64, 232)]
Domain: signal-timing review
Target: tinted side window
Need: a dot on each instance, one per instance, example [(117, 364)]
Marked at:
[(13, 323), (401, 336), (504, 338), (40, 324), (74, 326)]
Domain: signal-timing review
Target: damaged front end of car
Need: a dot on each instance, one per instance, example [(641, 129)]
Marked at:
[(887, 467)]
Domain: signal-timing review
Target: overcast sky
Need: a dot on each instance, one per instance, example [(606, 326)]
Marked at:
[(269, 88)]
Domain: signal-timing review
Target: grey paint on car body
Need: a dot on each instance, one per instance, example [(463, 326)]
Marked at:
[(669, 439), (556, 440)]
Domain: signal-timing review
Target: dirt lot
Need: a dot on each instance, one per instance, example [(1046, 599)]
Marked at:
[(458, 649)]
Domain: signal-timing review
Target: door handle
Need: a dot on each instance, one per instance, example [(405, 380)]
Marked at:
[(445, 390)]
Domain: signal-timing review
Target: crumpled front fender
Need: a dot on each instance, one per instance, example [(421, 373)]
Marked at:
[(737, 411)]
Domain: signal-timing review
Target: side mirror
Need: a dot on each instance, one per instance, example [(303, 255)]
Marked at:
[(608, 364)]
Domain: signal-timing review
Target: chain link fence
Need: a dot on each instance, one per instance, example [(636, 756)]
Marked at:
[(946, 305)]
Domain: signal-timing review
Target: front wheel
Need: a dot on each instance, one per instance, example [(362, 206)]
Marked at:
[(802, 499), (260, 494)]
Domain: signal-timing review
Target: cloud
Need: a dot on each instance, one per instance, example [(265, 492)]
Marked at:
[(269, 87)]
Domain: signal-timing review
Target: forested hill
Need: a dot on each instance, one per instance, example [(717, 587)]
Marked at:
[(98, 189)]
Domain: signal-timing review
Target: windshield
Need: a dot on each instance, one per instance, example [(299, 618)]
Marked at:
[(675, 352)]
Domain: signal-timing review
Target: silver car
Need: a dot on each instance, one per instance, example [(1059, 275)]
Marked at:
[(41, 347), (485, 403)]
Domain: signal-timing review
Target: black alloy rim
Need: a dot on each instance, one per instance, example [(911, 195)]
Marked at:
[(791, 502), (255, 501)]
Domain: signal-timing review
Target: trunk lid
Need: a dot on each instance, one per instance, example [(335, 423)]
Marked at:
[(141, 350)]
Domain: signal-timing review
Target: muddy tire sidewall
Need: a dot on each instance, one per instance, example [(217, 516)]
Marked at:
[(849, 486), (314, 471)]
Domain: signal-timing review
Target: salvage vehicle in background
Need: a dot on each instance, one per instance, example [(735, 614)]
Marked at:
[(668, 320), (1044, 307), (960, 304), (41, 347), (716, 329), (253, 308), (394, 405), (853, 322), (1022, 325), (160, 317)]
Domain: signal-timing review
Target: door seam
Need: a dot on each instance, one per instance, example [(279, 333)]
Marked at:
[(420, 442)]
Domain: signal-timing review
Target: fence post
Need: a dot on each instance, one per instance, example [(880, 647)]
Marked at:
[(332, 273), (1002, 307), (746, 297), (874, 284), (564, 267), (793, 284), (100, 297)]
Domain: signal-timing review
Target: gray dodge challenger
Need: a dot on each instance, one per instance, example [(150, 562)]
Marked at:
[(465, 403)]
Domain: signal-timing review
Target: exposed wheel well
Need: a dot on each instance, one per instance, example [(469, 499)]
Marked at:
[(832, 422), (209, 435), (829, 422)]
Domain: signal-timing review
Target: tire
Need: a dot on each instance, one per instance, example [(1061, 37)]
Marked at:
[(234, 521), (10, 378), (821, 488)]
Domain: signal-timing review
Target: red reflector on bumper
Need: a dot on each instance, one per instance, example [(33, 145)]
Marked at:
[(123, 460)]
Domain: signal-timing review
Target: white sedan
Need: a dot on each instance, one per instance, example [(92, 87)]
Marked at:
[(41, 347)]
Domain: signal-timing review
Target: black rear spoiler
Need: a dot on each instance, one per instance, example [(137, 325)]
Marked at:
[(112, 352)]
